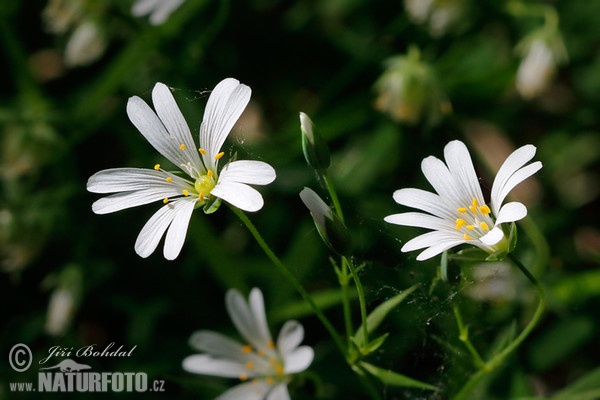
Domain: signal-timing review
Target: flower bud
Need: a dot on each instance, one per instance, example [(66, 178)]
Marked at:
[(314, 146), (408, 90), (330, 227)]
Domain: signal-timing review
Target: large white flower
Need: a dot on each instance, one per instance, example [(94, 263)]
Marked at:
[(458, 213), (168, 132), (263, 366)]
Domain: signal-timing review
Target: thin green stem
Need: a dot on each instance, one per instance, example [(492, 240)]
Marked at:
[(334, 196), (464, 337), (291, 278), (361, 298), (497, 360), (343, 280)]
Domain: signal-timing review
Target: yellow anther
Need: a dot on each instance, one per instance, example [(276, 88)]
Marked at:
[(466, 237), (273, 361), (182, 146), (165, 200), (269, 380), (462, 209), (260, 353), (221, 154), (209, 173), (201, 196), (470, 227), (460, 223), (247, 349), (484, 226), (475, 202), (271, 345), (484, 209), (473, 209), (156, 167), (169, 179), (279, 369), (185, 192), (243, 376), (250, 365), (202, 151)]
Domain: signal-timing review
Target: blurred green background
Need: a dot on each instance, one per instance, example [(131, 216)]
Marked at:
[(62, 119)]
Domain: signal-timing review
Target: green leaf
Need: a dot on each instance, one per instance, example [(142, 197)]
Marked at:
[(584, 388), (377, 316), (389, 377)]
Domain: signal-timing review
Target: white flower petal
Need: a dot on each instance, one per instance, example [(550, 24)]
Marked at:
[(173, 120), (153, 230), (438, 248), (249, 172), (127, 179), (419, 220), (290, 336), (121, 201), (430, 239), (178, 229), (217, 345), (516, 178), (207, 365), (239, 195), (298, 360), (224, 107), (511, 212), (244, 320), (254, 390), (151, 127), (423, 200), (279, 392), (492, 237), (317, 207), (513, 162), (439, 177), (257, 307), (461, 167)]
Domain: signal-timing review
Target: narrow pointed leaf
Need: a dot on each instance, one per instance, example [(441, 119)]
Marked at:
[(389, 377)]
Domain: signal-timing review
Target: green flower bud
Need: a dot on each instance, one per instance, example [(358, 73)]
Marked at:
[(330, 227), (314, 146)]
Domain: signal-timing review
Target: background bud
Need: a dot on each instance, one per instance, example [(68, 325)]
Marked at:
[(314, 147)]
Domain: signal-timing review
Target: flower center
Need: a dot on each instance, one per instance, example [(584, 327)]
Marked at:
[(204, 184), (474, 220)]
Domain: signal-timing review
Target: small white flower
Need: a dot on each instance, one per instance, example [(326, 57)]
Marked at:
[(159, 10), (168, 132), (264, 366), (86, 44), (458, 214)]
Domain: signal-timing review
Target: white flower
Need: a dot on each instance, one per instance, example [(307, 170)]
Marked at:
[(159, 10), (170, 136), (263, 366), (458, 214), (86, 44)]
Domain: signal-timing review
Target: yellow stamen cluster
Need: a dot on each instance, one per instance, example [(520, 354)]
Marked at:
[(273, 360), (477, 211)]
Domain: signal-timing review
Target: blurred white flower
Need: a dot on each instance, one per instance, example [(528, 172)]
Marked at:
[(542, 52), (61, 309), (86, 44), (167, 130), (158, 10), (263, 365), (60, 15), (439, 14), (458, 214)]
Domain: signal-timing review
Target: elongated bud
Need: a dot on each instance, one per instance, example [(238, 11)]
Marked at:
[(314, 146), (331, 229)]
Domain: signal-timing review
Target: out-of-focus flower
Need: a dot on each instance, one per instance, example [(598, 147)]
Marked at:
[(264, 366), (458, 214), (168, 132), (61, 15), (158, 10), (409, 91), (542, 52), (331, 229), (86, 44), (64, 301), (440, 15)]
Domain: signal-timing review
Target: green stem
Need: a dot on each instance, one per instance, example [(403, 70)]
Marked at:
[(290, 277), (343, 280), (334, 196), (361, 298), (464, 337), (497, 360)]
